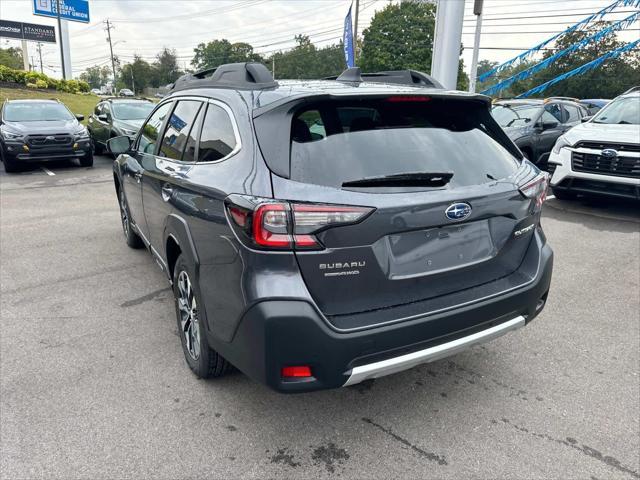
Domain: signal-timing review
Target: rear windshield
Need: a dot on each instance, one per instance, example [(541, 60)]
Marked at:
[(337, 142), (36, 112)]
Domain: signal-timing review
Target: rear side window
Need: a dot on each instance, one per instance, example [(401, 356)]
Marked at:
[(179, 125), (151, 129), (396, 135), (574, 115), (217, 139)]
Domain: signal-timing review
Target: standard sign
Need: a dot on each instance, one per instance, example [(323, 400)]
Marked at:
[(27, 31), (74, 10)]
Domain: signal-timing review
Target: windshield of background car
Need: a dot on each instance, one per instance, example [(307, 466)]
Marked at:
[(36, 112), (515, 115), (334, 142), (623, 111), (132, 111)]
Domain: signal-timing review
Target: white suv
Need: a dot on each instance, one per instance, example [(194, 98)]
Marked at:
[(602, 155)]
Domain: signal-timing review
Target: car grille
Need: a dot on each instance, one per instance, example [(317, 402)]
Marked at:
[(620, 147), (618, 166), (48, 141)]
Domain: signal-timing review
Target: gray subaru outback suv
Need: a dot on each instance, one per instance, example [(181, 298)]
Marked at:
[(321, 233)]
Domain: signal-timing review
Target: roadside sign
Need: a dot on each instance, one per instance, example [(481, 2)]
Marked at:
[(27, 31), (74, 10)]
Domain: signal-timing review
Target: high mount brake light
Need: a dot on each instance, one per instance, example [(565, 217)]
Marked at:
[(280, 225), (408, 98), (536, 188)]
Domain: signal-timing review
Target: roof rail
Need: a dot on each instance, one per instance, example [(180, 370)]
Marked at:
[(632, 89), (401, 77), (571, 99), (248, 75)]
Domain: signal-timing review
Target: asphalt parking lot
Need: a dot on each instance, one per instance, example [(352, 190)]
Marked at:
[(94, 383)]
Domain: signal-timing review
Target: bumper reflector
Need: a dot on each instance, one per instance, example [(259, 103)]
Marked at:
[(296, 372)]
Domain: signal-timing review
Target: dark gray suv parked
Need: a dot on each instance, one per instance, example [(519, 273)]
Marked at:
[(321, 233)]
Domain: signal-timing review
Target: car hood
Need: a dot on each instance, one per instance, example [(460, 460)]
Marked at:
[(129, 124), (516, 132), (602, 132), (44, 128)]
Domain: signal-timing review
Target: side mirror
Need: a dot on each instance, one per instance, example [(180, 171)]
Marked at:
[(79, 117), (548, 125), (118, 145), (103, 117), (586, 119)]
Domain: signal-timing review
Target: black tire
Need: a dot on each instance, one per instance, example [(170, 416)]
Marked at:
[(563, 194), (87, 160), (98, 149), (203, 361), (131, 237)]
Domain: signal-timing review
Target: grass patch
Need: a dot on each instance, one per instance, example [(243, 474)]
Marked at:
[(77, 103)]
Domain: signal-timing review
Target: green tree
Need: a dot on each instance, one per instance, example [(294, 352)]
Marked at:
[(136, 75), (166, 67), (400, 36), (305, 60), (96, 76), (218, 52), (11, 57)]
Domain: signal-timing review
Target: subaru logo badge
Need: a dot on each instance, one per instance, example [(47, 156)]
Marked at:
[(609, 153), (458, 211), (50, 137)]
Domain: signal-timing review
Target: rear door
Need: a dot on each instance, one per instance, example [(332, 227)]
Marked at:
[(550, 127), (422, 240), (165, 171)]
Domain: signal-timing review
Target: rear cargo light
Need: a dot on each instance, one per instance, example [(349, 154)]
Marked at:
[(301, 371), (288, 225), (536, 188)]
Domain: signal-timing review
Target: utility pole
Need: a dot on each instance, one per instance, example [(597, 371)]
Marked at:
[(113, 63), (477, 11), (64, 73), (25, 56), (133, 82), (40, 54), (355, 34)]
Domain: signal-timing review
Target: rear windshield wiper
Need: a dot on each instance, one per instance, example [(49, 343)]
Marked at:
[(417, 179)]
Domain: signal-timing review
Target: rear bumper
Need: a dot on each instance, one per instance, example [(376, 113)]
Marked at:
[(278, 333)]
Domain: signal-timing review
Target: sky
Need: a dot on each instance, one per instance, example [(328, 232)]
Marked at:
[(145, 26)]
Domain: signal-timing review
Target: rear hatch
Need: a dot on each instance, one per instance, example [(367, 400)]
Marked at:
[(441, 185)]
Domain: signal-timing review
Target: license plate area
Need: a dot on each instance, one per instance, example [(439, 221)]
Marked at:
[(437, 250)]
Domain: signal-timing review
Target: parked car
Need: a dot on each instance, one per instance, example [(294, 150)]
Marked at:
[(593, 105), (535, 125), (96, 91), (41, 131), (403, 228), (115, 116), (602, 155), (125, 92)]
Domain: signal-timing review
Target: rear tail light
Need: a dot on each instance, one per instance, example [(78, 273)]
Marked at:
[(288, 225), (536, 189)]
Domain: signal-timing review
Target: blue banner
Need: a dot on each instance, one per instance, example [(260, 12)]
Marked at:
[(578, 26), (581, 69), (74, 10), (620, 25), (347, 39)]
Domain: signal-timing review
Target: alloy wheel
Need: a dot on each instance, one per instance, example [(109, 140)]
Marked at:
[(188, 311), (124, 214)]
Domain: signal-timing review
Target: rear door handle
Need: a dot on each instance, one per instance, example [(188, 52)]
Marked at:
[(167, 192)]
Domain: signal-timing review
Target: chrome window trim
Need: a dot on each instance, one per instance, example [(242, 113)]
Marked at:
[(205, 101)]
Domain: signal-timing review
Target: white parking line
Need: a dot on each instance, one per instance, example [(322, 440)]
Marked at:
[(47, 171)]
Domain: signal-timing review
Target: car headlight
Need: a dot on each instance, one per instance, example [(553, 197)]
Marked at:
[(560, 144), (10, 135), (82, 134), (128, 132)]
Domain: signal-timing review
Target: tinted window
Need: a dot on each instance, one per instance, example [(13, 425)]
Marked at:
[(386, 137), (189, 154), (151, 129), (552, 113), (574, 114), (217, 139), (624, 111), (36, 112), (178, 128)]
